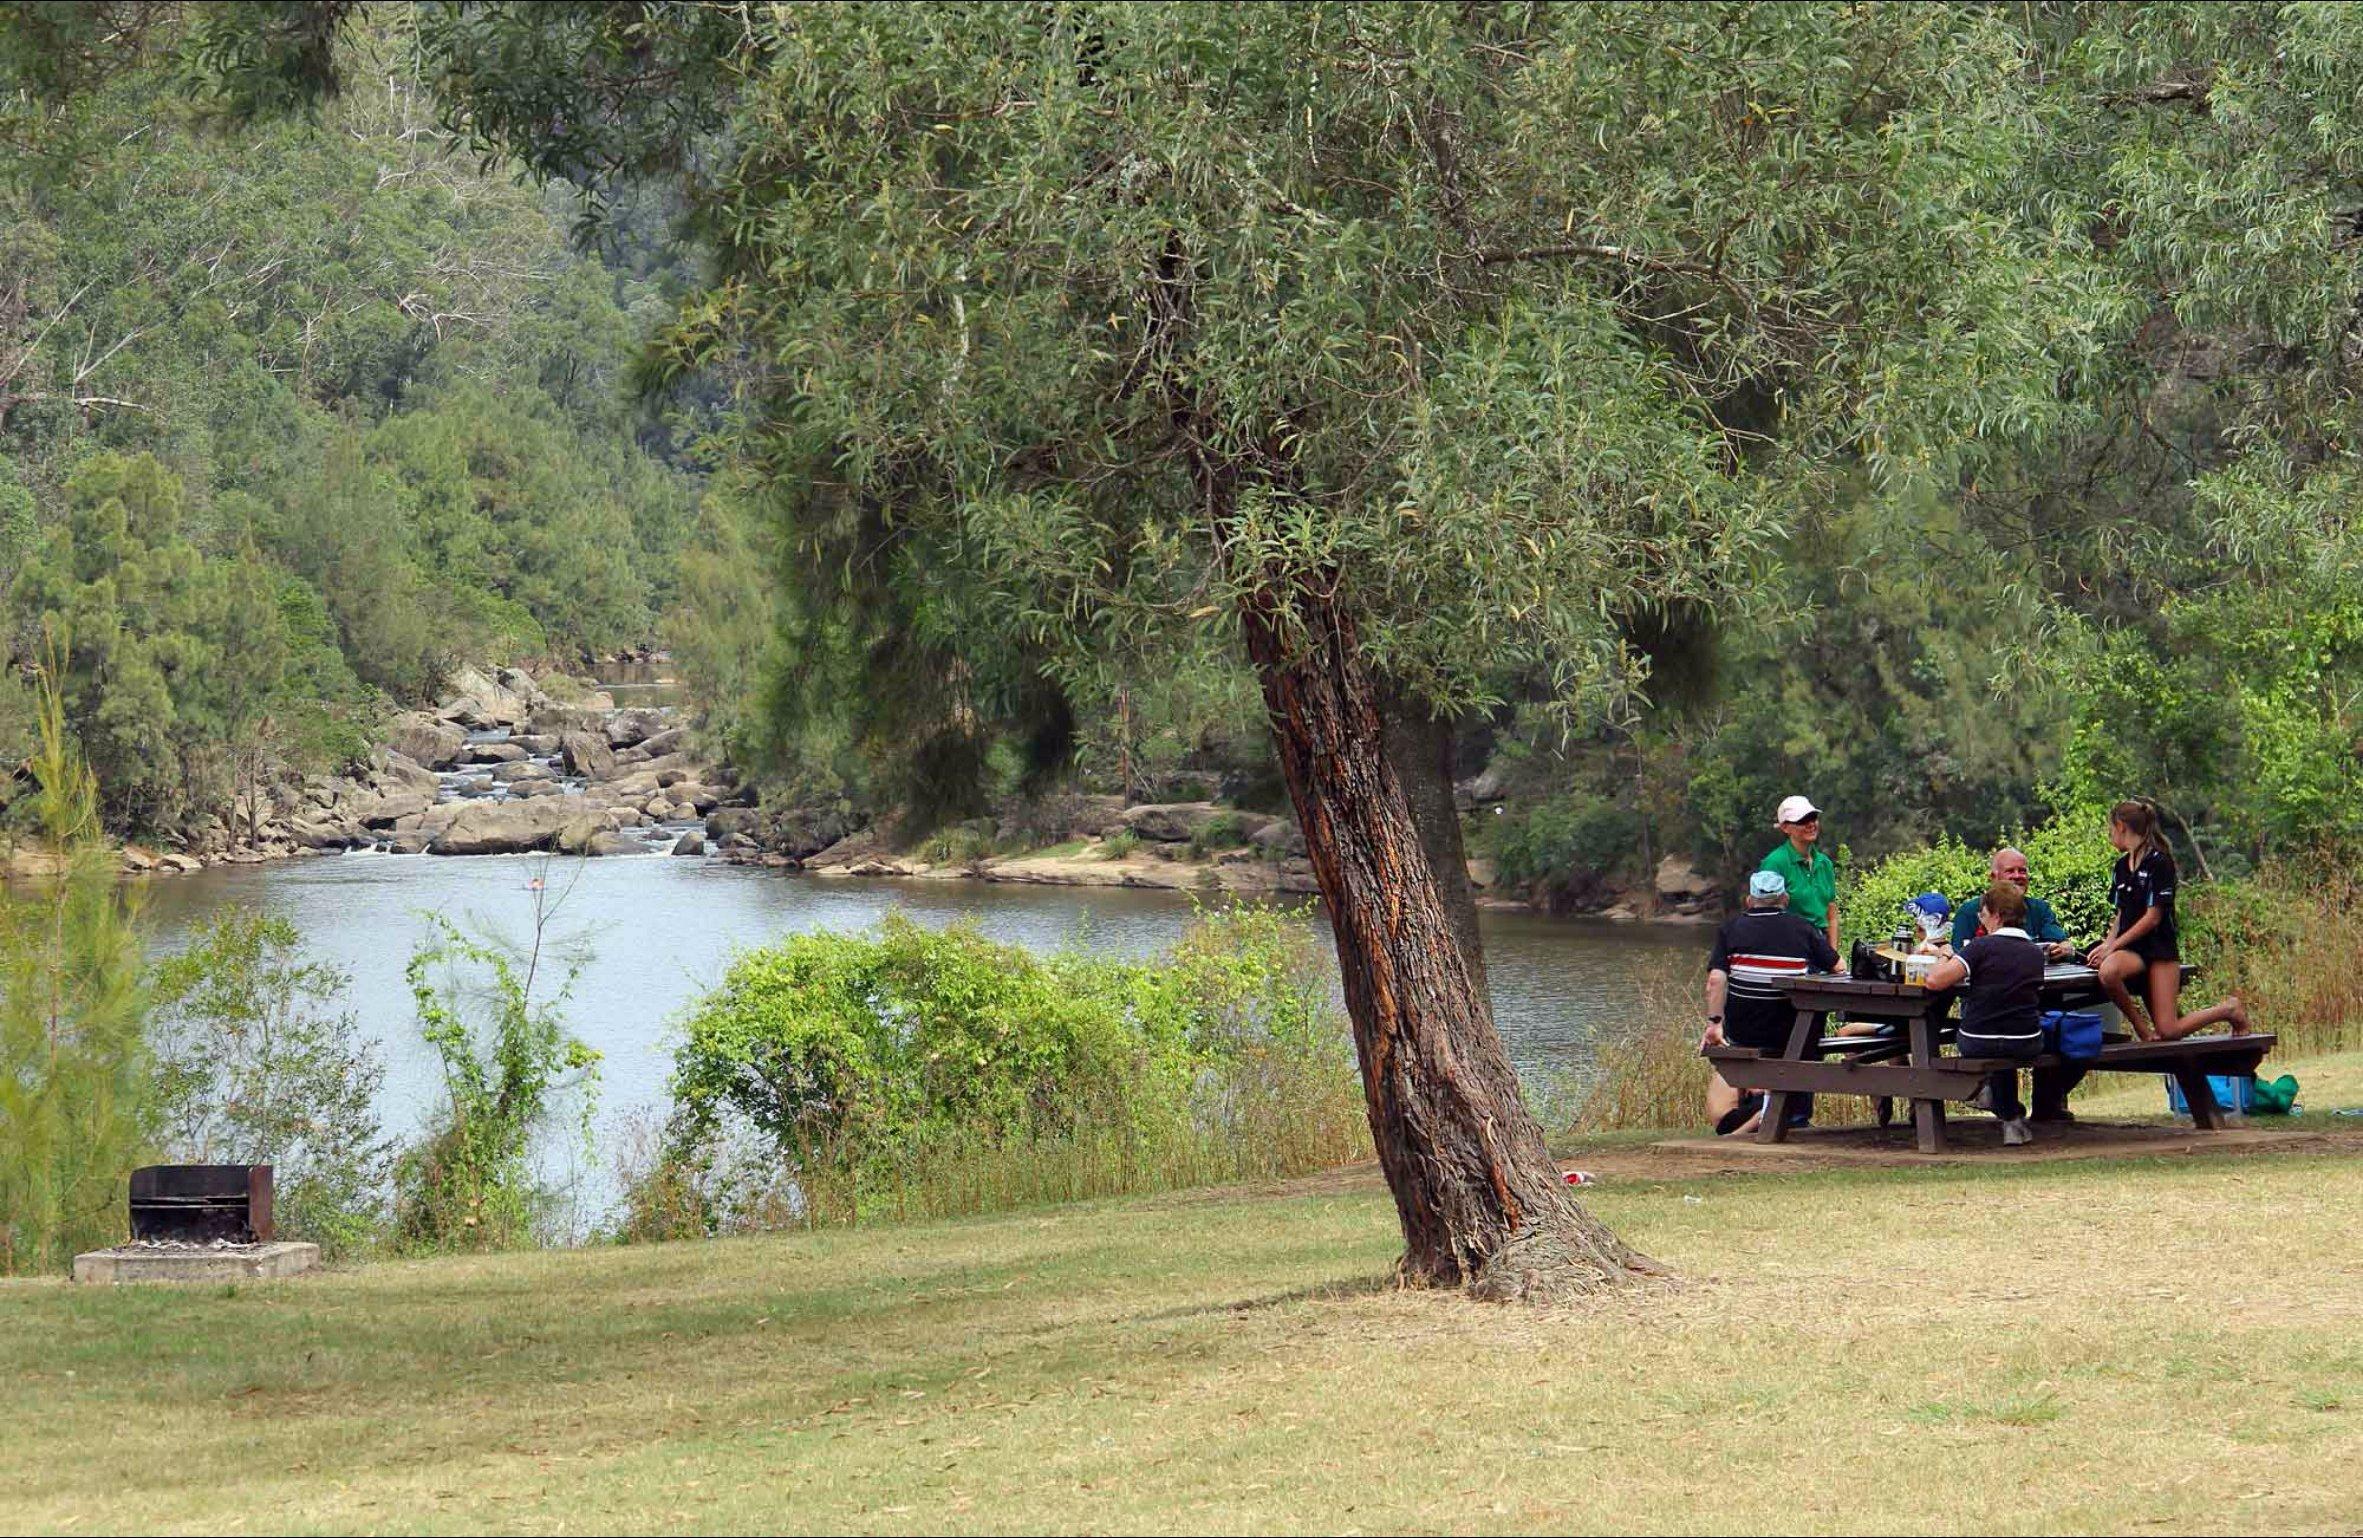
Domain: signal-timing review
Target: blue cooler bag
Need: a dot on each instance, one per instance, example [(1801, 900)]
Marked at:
[(2234, 1093), (2072, 1035)]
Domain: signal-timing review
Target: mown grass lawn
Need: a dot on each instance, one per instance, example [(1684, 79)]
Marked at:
[(2090, 1345)]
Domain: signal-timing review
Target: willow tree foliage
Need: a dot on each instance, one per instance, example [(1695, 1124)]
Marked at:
[(1398, 350)]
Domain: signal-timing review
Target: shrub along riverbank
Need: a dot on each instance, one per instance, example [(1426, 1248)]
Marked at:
[(838, 1079)]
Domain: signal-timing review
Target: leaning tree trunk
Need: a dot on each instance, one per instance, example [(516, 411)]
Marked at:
[(1481, 1201), (1419, 746)]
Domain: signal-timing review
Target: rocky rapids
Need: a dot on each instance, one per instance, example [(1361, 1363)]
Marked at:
[(501, 766), (510, 764)]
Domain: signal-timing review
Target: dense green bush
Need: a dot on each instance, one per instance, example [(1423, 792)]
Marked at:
[(911, 1071), (1563, 843), (2069, 857)]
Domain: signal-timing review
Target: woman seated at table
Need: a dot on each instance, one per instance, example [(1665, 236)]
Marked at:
[(2002, 1002)]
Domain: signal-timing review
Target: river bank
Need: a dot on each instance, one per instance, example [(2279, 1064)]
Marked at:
[(511, 761)]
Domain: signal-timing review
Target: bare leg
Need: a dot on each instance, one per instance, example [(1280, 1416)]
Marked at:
[(1722, 1099), (2116, 970), (2166, 1006)]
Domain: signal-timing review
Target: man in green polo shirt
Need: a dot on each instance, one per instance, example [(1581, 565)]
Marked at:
[(1811, 875)]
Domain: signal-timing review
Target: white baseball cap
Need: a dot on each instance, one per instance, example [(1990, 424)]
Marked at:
[(1796, 809)]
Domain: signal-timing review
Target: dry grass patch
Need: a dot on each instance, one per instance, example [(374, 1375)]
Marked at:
[(2098, 1346)]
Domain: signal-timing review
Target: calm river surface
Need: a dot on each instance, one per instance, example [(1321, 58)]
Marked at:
[(653, 931)]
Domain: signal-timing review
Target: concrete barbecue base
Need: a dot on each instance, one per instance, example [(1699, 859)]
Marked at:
[(195, 1263)]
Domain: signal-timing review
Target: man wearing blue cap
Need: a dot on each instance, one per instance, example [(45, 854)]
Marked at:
[(1754, 951)]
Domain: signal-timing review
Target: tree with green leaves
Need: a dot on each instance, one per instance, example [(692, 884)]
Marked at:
[(175, 655), (256, 1064), (370, 366), (1397, 351), (76, 1092)]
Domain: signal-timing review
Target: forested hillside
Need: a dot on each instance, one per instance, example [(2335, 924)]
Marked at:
[(299, 408), (295, 418)]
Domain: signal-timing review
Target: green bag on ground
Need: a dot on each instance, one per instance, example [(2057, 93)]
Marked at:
[(2274, 1097)]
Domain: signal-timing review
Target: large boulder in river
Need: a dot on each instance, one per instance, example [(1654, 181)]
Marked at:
[(385, 808), (557, 720), (589, 834), (522, 769), (426, 741), (329, 832), (805, 832), (477, 702), (736, 821), (522, 684), (587, 754), (630, 728), (401, 773), (504, 827), (575, 837), (670, 740), (492, 753)]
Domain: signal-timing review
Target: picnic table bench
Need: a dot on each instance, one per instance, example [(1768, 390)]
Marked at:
[(1910, 1067)]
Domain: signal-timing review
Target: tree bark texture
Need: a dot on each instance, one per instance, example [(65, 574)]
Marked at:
[(1419, 745), (1481, 1201)]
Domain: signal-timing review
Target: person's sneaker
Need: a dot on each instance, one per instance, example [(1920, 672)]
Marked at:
[(1983, 1100), (2017, 1134), (2058, 1116)]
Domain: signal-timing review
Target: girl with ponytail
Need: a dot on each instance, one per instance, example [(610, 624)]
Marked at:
[(2144, 949)]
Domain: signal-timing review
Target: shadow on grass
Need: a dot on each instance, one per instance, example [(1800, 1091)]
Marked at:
[(1318, 1292)]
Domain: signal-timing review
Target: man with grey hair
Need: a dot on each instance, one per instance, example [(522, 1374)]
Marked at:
[(2043, 927)]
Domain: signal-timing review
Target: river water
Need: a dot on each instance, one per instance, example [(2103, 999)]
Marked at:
[(651, 932)]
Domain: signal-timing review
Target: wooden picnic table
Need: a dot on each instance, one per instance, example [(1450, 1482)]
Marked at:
[(1912, 1069)]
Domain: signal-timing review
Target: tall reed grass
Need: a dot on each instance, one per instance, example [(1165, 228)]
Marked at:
[(2289, 941)]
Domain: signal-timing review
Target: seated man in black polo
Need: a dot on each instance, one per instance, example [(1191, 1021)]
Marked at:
[(2002, 1007), (1745, 1006)]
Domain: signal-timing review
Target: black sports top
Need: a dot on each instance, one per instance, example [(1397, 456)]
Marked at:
[(2136, 889)]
